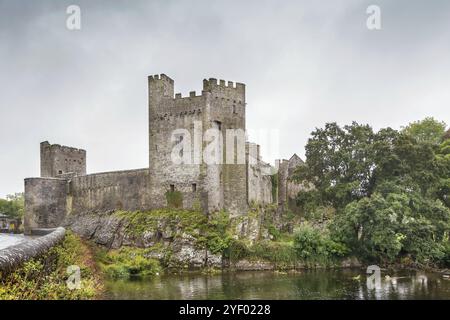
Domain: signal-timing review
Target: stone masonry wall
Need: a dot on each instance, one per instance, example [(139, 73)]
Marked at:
[(214, 187), (45, 203), (221, 106), (101, 192), (167, 114), (227, 107), (12, 257), (259, 180), (57, 160)]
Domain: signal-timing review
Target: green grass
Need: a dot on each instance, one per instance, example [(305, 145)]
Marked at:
[(127, 262)]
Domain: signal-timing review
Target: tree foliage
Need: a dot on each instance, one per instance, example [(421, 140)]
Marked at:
[(427, 130), (389, 188), (13, 205)]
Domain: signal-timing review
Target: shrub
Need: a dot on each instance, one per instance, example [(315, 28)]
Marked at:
[(312, 246), (282, 254), (127, 262), (237, 250)]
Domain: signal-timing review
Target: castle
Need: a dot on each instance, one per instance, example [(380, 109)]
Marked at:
[(64, 188)]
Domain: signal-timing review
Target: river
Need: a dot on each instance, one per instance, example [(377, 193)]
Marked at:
[(7, 240), (318, 284)]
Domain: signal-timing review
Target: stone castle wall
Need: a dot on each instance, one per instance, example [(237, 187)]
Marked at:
[(65, 189), (287, 188), (45, 203), (167, 113), (100, 192)]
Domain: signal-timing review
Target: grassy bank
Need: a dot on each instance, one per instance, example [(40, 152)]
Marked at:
[(126, 262), (44, 278)]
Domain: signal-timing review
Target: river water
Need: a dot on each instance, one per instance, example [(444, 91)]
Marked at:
[(318, 284), (7, 240)]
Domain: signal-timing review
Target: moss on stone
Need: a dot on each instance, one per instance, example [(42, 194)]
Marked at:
[(174, 199)]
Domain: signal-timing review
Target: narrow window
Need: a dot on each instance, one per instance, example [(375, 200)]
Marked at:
[(234, 109), (172, 188), (181, 151), (194, 187), (218, 125)]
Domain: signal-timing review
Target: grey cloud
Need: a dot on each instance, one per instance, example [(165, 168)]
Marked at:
[(304, 63)]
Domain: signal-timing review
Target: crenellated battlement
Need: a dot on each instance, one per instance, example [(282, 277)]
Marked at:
[(225, 89), (62, 148), (212, 83), (58, 160), (160, 77)]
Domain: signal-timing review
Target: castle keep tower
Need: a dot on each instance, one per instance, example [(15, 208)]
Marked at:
[(220, 106)]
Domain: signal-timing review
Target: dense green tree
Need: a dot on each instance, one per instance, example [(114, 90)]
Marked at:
[(339, 164), (443, 160), (427, 130), (389, 189), (395, 220), (13, 205)]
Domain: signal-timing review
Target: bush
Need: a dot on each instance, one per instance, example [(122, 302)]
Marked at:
[(282, 254), (237, 250), (446, 258), (127, 262), (312, 246)]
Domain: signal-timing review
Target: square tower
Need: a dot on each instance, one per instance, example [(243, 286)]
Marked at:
[(58, 161), (173, 118)]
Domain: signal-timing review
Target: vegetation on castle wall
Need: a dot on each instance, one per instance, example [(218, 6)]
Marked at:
[(174, 199), (216, 234), (212, 233), (274, 180), (45, 277), (138, 222)]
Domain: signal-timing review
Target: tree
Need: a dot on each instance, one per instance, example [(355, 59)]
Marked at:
[(443, 160), (389, 189), (427, 130), (339, 164), (13, 205), (394, 221)]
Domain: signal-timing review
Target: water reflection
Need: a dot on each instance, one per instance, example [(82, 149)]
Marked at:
[(321, 284)]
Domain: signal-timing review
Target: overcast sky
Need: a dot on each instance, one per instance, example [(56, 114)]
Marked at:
[(305, 63)]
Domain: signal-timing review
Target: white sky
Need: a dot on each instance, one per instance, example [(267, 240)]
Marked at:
[(304, 63)]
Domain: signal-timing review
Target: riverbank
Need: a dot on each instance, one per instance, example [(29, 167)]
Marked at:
[(45, 277), (176, 240)]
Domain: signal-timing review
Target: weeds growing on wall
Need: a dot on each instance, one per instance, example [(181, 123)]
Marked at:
[(45, 277), (174, 199)]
